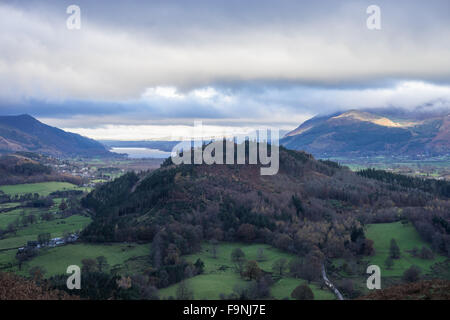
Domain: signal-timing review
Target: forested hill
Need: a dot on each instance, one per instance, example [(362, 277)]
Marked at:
[(18, 169), (310, 207), (438, 187)]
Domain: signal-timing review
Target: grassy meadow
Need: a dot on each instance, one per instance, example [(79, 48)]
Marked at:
[(24, 233), (282, 289), (56, 260), (55, 227), (220, 277), (42, 188), (407, 238)]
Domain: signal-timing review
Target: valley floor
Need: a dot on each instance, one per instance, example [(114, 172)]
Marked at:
[(407, 238), (219, 277), (436, 168)]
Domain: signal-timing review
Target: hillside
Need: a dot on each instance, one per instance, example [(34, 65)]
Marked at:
[(423, 290), (314, 209), (358, 133), (13, 287), (25, 133), (18, 169)]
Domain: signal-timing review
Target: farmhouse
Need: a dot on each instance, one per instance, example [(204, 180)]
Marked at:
[(54, 242)]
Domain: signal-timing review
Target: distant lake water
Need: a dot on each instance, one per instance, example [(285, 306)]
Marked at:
[(137, 153)]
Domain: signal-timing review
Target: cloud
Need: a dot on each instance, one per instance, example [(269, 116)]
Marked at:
[(231, 63), (106, 60), (243, 109)]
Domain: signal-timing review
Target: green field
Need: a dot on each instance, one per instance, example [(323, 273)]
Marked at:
[(207, 286), (434, 167), (7, 257), (407, 238), (56, 260), (282, 289), (224, 252), (42, 188), (55, 227), (9, 205), (220, 277), (10, 216)]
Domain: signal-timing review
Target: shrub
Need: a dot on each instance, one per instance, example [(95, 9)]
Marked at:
[(412, 274), (302, 292)]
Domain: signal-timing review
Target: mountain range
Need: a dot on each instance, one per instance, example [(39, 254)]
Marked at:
[(353, 133), (25, 133), (361, 133)]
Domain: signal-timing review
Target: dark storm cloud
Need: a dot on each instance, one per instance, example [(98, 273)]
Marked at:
[(141, 60)]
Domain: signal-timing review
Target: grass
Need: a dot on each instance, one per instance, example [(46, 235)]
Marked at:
[(224, 253), (56, 260), (220, 277), (435, 167), (7, 257), (207, 286), (407, 238), (42, 188), (282, 289), (55, 227), (9, 217), (9, 205)]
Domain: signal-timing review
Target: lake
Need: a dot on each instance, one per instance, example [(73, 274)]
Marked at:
[(138, 153)]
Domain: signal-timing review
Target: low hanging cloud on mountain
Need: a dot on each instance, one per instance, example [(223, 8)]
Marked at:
[(228, 62)]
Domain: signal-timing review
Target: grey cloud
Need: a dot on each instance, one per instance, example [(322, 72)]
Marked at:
[(282, 105), (125, 47), (265, 59)]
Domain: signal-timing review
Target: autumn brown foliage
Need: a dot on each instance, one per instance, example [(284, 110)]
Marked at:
[(422, 290), (13, 287)]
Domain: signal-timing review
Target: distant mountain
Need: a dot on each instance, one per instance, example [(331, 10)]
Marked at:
[(25, 133), (361, 133)]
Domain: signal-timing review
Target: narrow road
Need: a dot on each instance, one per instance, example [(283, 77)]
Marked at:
[(331, 286)]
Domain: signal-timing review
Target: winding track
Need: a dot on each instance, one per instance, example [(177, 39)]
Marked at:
[(330, 285)]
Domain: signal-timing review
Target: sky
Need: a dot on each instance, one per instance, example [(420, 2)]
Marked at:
[(138, 70)]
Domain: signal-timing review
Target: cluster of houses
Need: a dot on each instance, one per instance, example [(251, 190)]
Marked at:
[(54, 242), (83, 172)]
